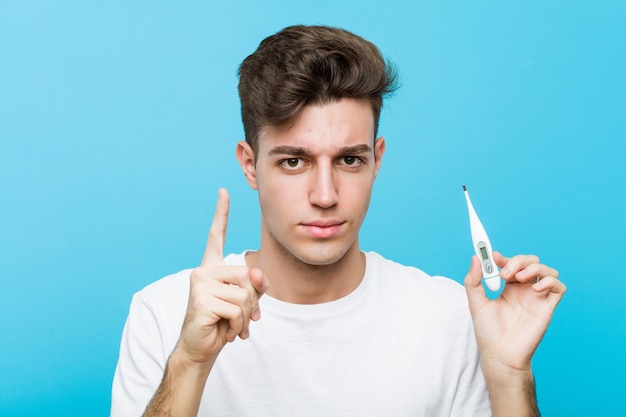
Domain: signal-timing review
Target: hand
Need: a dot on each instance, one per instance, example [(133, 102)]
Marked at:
[(222, 299), (509, 328)]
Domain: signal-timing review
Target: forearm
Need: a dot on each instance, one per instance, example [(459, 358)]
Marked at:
[(512, 393), (181, 389)]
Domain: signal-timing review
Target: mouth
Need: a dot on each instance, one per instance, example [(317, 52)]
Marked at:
[(323, 229)]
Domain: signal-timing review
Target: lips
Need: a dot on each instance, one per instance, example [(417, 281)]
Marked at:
[(323, 229)]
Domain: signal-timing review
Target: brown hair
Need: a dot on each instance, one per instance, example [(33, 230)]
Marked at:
[(309, 65)]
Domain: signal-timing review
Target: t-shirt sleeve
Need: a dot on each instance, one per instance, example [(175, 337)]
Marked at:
[(471, 397), (141, 361)]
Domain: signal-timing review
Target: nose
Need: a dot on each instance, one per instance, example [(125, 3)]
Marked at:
[(323, 187)]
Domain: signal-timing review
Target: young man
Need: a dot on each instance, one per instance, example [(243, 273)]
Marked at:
[(343, 332)]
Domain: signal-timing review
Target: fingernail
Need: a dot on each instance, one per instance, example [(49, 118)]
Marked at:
[(256, 314), (505, 272)]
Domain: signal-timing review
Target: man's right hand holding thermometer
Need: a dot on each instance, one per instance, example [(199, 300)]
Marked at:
[(509, 328)]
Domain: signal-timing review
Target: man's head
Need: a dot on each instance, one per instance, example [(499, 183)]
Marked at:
[(309, 65), (311, 99)]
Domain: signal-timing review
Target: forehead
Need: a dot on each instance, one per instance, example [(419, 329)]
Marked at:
[(345, 122)]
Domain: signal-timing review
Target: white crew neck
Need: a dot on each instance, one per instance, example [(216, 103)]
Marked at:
[(280, 307)]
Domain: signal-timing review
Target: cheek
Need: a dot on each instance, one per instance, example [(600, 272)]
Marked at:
[(359, 187), (277, 200), (360, 194), (274, 186)]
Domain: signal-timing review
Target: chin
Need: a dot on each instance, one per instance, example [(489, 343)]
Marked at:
[(319, 254)]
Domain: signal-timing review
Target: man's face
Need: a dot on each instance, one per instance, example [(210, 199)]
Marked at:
[(314, 179)]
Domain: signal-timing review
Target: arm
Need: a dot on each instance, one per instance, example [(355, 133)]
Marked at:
[(509, 328), (511, 392), (181, 389), (222, 301)]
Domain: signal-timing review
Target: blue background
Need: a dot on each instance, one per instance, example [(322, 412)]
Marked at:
[(118, 123)]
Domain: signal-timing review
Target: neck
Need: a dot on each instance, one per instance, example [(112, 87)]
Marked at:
[(294, 281)]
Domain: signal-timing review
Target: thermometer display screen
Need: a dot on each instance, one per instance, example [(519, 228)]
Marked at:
[(483, 252)]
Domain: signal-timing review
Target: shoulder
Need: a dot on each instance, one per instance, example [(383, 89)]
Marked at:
[(403, 281), (167, 288), (382, 266)]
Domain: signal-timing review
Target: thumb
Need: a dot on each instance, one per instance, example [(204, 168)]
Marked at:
[(259, 281), (260, 285), (473, 286)]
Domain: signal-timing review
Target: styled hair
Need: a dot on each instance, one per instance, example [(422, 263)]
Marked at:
[(309, 65)]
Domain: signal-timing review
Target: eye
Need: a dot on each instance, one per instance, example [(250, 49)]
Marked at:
[(352, 161), (291, 163)]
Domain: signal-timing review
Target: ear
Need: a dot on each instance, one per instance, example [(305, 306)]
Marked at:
[(379, 150), (245, 156)]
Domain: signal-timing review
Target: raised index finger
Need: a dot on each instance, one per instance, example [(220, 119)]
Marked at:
[(214, 252)]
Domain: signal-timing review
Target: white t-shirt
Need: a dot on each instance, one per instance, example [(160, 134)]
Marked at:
[(401, 344)]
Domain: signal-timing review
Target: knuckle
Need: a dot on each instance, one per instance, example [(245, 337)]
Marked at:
[(200, 275), (215, 233), (237, 318), (196, 274), (201, 303), (241, 295)]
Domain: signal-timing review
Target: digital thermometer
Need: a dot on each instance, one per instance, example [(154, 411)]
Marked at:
[(482, 247)]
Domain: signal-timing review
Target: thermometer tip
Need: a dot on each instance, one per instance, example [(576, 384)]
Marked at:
[(464, 187)]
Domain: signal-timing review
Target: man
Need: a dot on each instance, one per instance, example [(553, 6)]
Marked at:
[(343, 332)]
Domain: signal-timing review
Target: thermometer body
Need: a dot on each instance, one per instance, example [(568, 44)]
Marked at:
[(482, 247)]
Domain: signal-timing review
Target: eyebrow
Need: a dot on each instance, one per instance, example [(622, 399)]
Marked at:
[(290, 150), (299, 151)]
